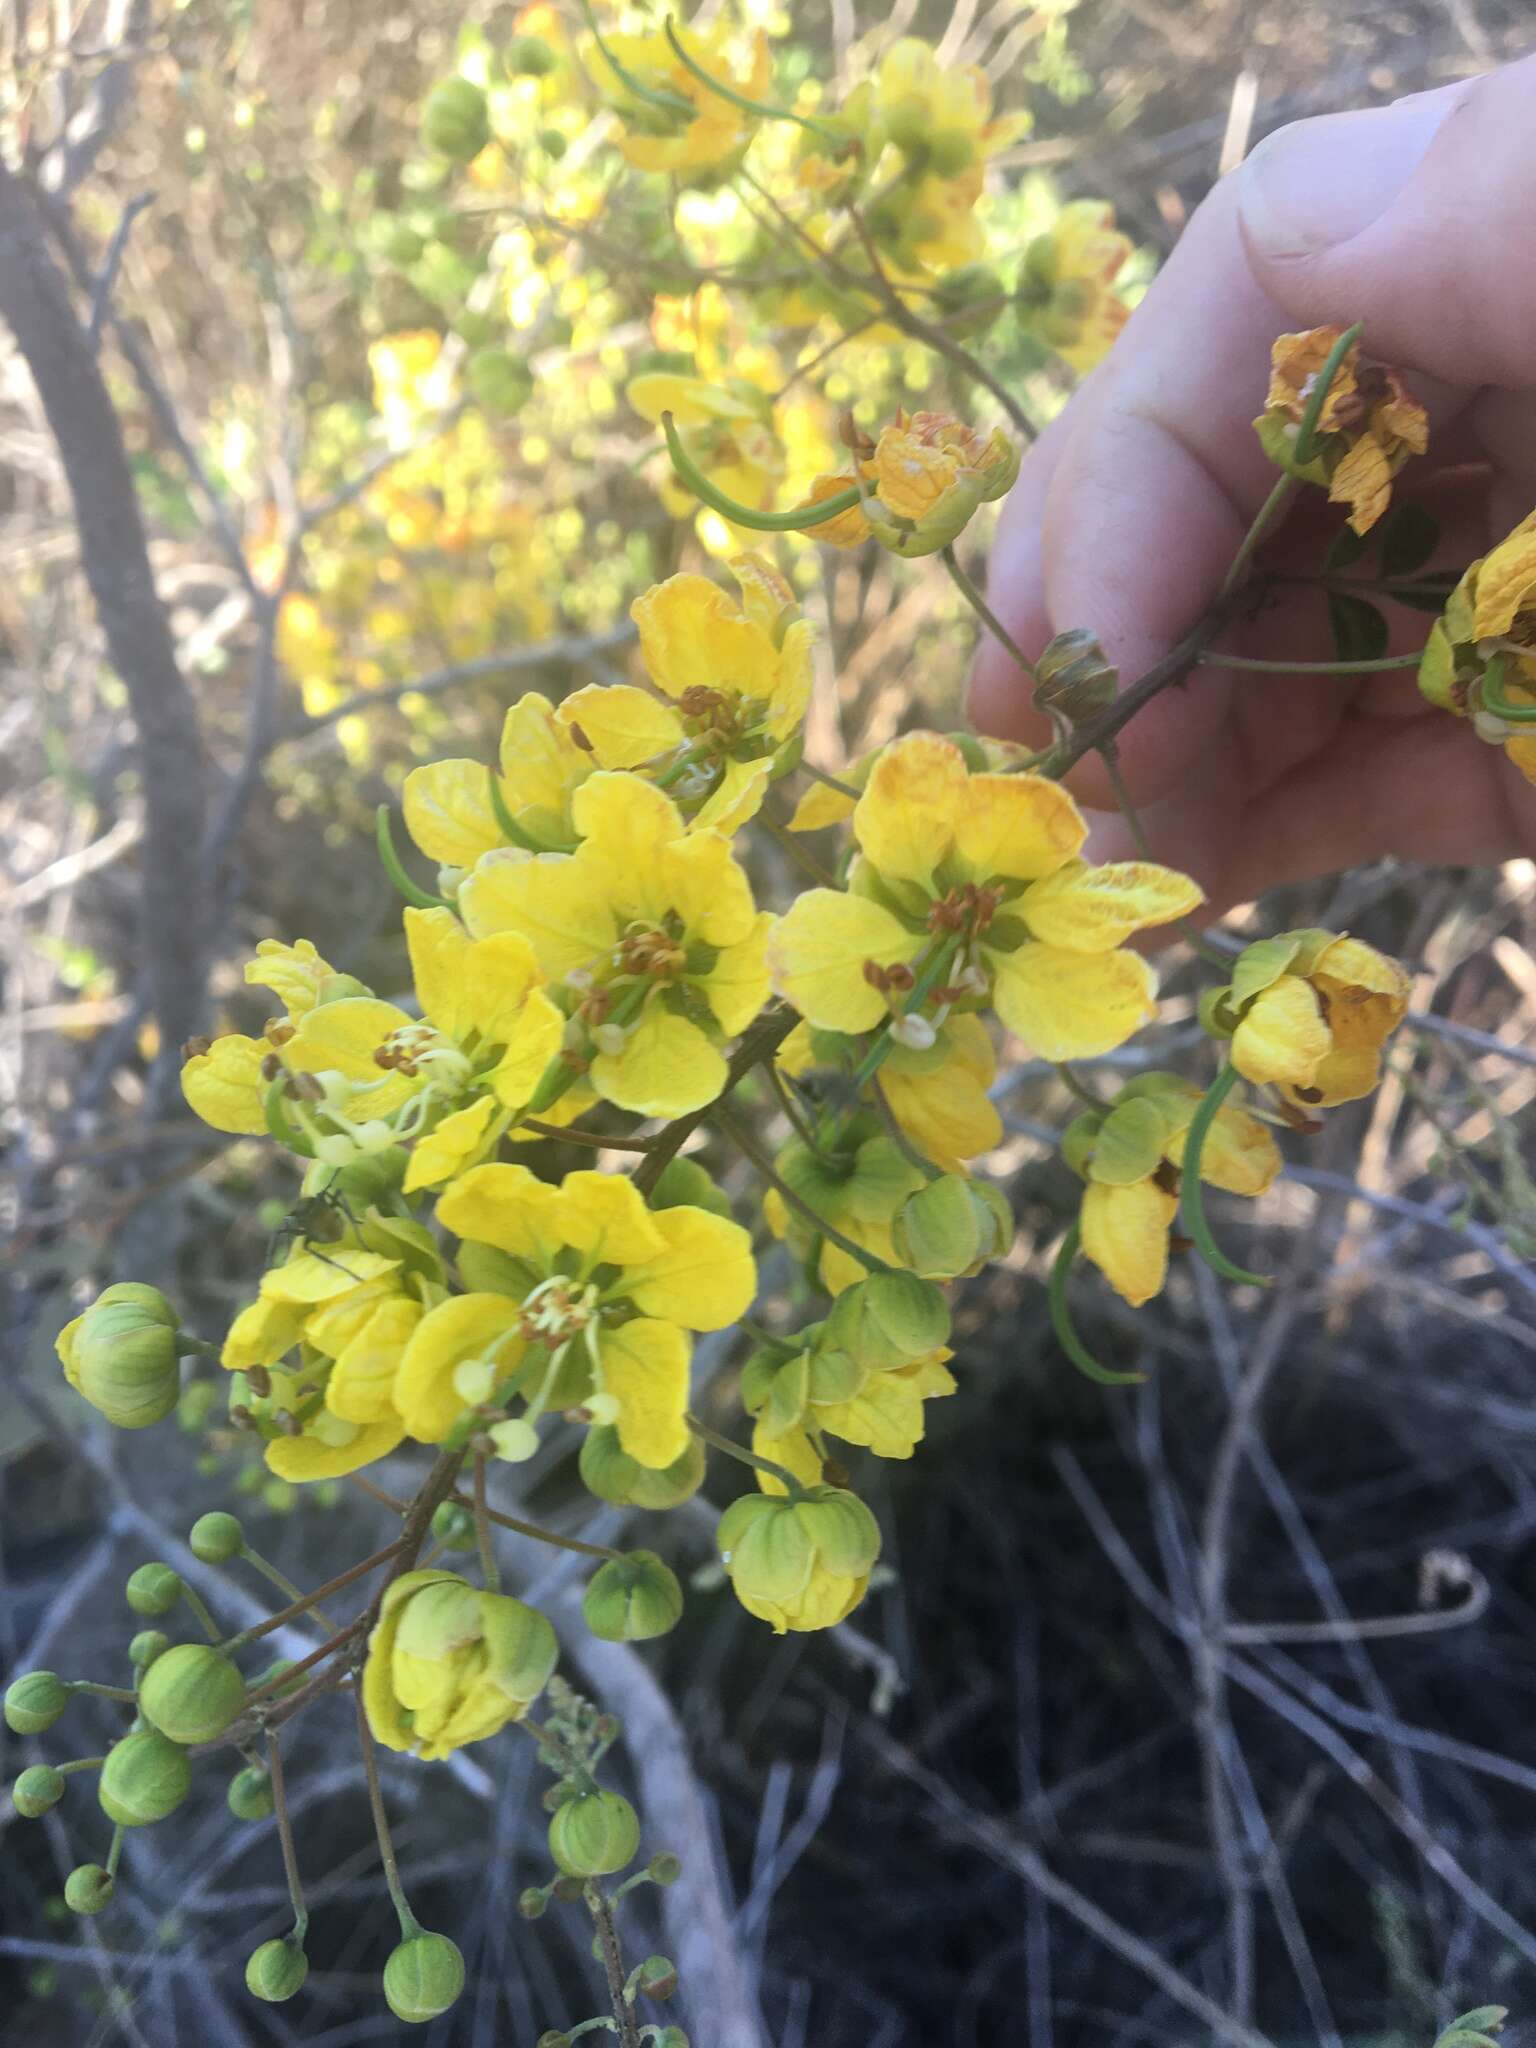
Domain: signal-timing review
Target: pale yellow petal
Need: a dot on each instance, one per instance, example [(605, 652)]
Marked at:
[(466, 1327), (704, 1276), (225, 1086), (666, 1067), (1125, 1233), (447, 806), (907, 818), (1071, 1006), (1094, 909), (818, 950), (505, 1206), (604, 1216), (623, 726), (551, 899), (645, 1368), (361, 1385), (1018, 826), (1282, 1036), (739, 984), (450, 1146)]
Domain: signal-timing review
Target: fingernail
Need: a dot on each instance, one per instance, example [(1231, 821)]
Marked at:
[(1310, 187)]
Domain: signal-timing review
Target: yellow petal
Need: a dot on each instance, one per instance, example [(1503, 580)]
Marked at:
[(224, 1085), (361, 1385), (629, 819), (738, 984), (1506, 581), (701, 879), (793, 1450), (1071, 1006), (737, 798), (1093, 909), (301, 1459), (469, 988), (1343, 1076), (822, 805), (549, 898), (342, 1038), (533, 1042), (694, 635), (260, 1334), (625, 726), (817, 952), (310, 1277), (1125, 1233), (508, 1207), (542, 764), (604, 1216), (1239, 1154), (645, 1368), (467, 1326), (1363, 482), (450, 1147), (690, 400), (1282, 1036), (667, 1066), (1022, 826), (295, 974), (448, 813), (907, 817), (703, 1277)]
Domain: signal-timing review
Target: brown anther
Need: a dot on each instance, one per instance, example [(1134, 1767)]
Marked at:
[(579, 738), (306, 1087), (578, 1062), (1297, 1119), (853, 436), (271, 1067), (698, 700), (1309, 1094), (241, 1416), (386, 1057), (1177, 1242), (876, 975), (289, 1423), (194, 1048), (835, 1473), (259, 1380), (278, 1031), (899, 978), (1166, 1176)]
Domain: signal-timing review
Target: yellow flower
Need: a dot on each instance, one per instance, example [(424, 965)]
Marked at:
[(449, 1664), (942, 123), (449, 1082), (654, 933), (225, 1080), (447, 804), (799, 1563), (1310, 1012), (800, 1398), (1067, 286), (938, 1094), (1486, 639), (1131, 1156), (702, 131), (1368, 427), (927, 473), (582, 1298), (971, 883)]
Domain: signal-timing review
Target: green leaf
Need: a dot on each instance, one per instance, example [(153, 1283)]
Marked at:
[(1348, 546), (1429, 592), (1359, 630), (1409, 536)]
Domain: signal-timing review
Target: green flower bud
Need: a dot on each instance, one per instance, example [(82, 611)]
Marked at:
[(279, 1496), (34, 1702), (671, 2037), (195, 1408), (88, 1888), (276, 1970), (454, 1526), (799, 1563), (888, 1320), (530, 57), (664, 1867), (969, 299), (153, 1589), (502, 383), (608, 1471), (553, 143), (216, 1538), (121, 1355), (594, 1834), (146, 1646), (36, 1790), (685, 1183), (533, 1903), (455, 121), (951, 152), (423, 1978), (631, 1598), (250, 1794), (953, 1226), (191, 1693), (658, 1977), (144, 1778), (1073, 677), (1216, 1012)]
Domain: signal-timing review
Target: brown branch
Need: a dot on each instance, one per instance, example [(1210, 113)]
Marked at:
[(114, 554), (760, 1043)]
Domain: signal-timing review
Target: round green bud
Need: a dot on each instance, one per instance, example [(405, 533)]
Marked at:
[(533, 1903), (952, 1226), (658, 1977), (888, 1321), (630, 1599), (216, 1538), (950, 153), (88, 1888), (530, 57), (153, 1589), (34, 1702), (608, 1471), (553, 144), (36, 1790), (276, 1970), (275, 1671), (144, 1778), (146, 1646), (455, 121), (195, 1408), (250, 1794), (423, 1978), (191, 1693), (121, 1355), (500, 382), (279, 1496), (664, 1867), (594, 1834), (397, 241), (671, 2037), (684, 1181), (454, 1526), (474, 328)]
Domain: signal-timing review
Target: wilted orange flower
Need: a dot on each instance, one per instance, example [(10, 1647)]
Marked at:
[(1369, 424), (927, 473)]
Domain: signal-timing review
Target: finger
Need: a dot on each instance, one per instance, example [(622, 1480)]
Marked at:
[(1414, 218), (999, 690)]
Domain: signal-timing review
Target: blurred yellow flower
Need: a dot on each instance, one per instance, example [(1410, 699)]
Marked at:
[(1067, 284), (676, 123)]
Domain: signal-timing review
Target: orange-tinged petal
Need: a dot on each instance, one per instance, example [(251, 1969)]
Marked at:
[(1363, 482), (1072, 1006), (1282, 1035), (1020, 826), (907, 817)]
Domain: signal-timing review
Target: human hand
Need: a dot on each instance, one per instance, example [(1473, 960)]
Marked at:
[(1418, 220)]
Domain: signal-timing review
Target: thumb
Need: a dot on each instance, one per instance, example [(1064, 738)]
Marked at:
[(1415, 218)]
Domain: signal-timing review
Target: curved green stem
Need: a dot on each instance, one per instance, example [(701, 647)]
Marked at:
[(668, 102), (384, 839), (1191, 1195), (937, 965), (1319, 394), (508, 826), (983, 610), (712, 1437), (740, 99), (1061, 1319), (748, 1146), (1495, 701), (799, 519), (1285, 488), (1213, 657)]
